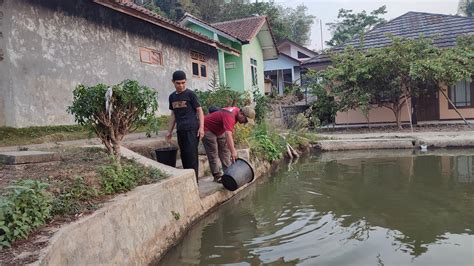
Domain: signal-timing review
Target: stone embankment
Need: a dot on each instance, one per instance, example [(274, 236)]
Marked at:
[(335, 142), (138, 227)]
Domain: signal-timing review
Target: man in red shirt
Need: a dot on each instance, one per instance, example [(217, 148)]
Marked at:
[(218, 140)]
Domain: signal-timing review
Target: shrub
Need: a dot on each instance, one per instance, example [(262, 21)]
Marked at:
[(116, 178), (242, 135), (119, 179), (25, 207), (128, 103), (267, 144), (221, 97), (73, 199), (261, 105)]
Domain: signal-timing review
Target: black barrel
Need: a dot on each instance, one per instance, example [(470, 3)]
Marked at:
[(167, 155), (237, 175)]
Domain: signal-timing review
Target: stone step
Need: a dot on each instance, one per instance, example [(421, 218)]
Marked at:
[(23, 157)]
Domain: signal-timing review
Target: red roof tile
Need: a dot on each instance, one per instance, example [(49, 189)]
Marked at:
[(244, 29), (128, 7)]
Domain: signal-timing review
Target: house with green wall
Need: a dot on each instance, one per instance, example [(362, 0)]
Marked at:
[(252, 37)]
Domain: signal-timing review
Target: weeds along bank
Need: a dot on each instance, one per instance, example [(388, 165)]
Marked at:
[(37, 196), (92, 176)]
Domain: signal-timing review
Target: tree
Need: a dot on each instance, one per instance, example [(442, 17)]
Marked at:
[(448, 67), (150, 5), (325, 107), (210, 10), (466, 8), (380, 77), (113, 111), (391, 75), (354, 74), (300, 25), (353, 24), (286, 23)]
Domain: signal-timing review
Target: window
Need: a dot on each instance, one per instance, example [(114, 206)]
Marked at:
[(301, 55), (150, 56), (462, 94), (253, 68), (195, 69), (198, 61), (203, 71)]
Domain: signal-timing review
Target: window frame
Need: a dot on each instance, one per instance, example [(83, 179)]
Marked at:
[(254, 72), (452, 93), (199, 59), (151, 51)]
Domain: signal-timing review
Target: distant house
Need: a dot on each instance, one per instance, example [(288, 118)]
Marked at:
[(285, 70), (431, 105), (48, 47), (252, 37)]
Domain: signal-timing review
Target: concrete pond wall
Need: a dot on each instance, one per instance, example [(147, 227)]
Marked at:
[(137, 227)]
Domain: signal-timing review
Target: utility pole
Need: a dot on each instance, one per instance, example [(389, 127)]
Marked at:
[(321, 28)]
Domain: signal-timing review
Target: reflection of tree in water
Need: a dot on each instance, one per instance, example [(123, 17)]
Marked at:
[(418, 199), (409, 195)]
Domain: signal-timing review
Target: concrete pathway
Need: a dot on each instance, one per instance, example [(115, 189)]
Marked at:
[(396, 140), (390, 135), (92, 141)]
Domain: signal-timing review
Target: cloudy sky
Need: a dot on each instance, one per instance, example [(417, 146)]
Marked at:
[(327, 10)]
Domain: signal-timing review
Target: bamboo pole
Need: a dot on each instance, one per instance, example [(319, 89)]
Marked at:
[(409, 112), (454, 106)]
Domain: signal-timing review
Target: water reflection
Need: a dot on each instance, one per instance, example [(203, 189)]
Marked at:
[(370, 211)]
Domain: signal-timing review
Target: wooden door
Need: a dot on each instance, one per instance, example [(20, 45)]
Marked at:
[(427, 105)]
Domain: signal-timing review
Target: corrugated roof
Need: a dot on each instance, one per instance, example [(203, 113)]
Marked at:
[(444, 29)]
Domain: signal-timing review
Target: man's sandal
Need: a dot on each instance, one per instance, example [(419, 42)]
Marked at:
[(218, 179)]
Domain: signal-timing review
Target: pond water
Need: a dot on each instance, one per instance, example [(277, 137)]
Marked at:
[(347, 208)]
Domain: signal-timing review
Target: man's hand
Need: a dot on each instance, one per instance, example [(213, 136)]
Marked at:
[(234, 156), (169, 135), (200, 133)]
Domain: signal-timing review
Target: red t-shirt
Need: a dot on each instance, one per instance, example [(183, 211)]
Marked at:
[(221, 121)]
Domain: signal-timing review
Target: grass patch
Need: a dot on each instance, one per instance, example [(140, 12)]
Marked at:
[(34, 135)]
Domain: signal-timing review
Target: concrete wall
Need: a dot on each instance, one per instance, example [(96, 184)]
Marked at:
[(235, 75), (54, 45), (385, 115), (282, 62), (138, 227), (376, 115), (253, 50), (5, 88), (293, 50), (290, 112), (446, 113)]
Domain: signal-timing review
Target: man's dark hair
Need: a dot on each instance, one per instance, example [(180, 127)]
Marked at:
[(179, 75)]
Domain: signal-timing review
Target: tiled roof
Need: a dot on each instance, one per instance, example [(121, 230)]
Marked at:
[(130, 8), (244, 29), (444, 29)]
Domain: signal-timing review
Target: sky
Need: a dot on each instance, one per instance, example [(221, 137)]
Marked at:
[(327, 10)]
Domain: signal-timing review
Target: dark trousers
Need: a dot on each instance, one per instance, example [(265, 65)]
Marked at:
[(188, 145)]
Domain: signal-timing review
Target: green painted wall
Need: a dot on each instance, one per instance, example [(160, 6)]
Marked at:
[(201, 30), (253, 50), (235, 76), (238, 78)]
